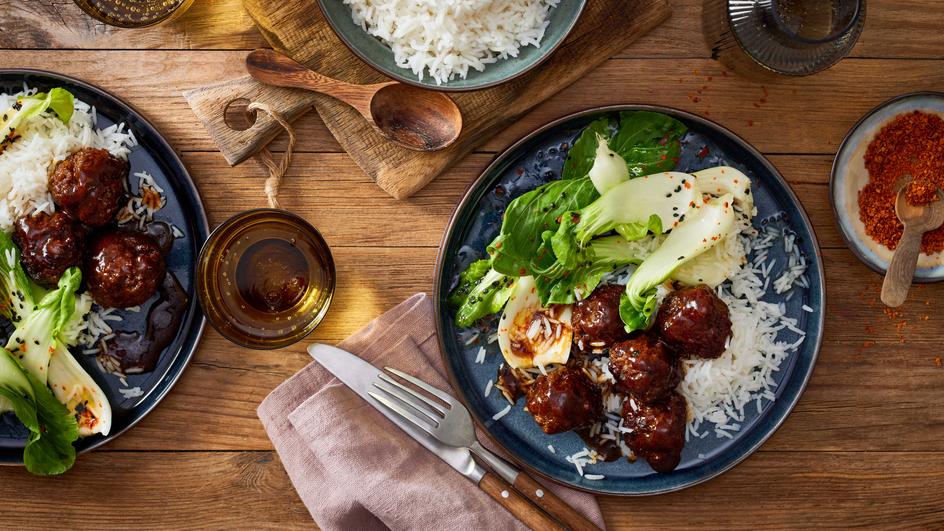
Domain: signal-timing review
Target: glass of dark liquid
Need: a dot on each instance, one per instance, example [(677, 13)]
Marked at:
[(789, 37), (134, 13)]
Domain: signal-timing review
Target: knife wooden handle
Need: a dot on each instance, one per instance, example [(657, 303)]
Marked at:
[(516, 504), (553, 505)]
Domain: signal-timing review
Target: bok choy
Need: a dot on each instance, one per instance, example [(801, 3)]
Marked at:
[(58, 100), (45, 323), (52, 429), (701, 231)]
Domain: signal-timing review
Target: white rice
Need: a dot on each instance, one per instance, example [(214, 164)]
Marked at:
[(44, 140), (447, 38), (133, 392), (502, 413), (718, 390)]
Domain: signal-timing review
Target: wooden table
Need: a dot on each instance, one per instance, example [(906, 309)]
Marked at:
[(865, 445)]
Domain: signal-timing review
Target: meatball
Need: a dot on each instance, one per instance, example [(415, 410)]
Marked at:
[(123, 268), (657, 431), (644, 368), (49, 244), (564, 400), (694, 322), (596, 319), (90, 185)]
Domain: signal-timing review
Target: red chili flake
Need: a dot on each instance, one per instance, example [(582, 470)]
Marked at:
[(704, 87), (765, 91), (522, 272), (565, 145), (704, 152), (750, 123), (938, 362), (756, 105), (664, 140), (912, 143), (763, 100), (696, 99), (663, 157), (519, 170), (688, 185), (498, 245), (724, 73), (710, 78)]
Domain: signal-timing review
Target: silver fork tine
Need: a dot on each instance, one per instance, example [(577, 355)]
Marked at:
[(432, 403), (418, 422), (409, 401), (423, 385)]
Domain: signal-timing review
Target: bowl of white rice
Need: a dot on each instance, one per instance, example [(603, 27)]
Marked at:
[(452, 45)]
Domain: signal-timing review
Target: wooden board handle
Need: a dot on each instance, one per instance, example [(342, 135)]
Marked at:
[(553, 505), (516, 504)]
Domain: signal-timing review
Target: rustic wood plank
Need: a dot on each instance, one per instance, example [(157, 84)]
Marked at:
[(771, 490), (224, 24), (334, 194), (826, 104)]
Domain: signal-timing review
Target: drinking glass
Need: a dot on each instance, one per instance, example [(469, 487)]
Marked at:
[(789, 37)]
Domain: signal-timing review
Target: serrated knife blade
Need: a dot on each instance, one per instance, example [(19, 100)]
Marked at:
[(360, 376)]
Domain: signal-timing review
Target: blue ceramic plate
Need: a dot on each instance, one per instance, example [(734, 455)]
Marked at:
[(184, 209), (538, 159), (849, 177), (378, 55)]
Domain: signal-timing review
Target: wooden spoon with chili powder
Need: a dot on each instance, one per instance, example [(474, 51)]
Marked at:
[(917, 220)]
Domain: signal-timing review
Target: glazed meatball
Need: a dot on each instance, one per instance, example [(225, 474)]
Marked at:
[(49, 244), (694, 322), (596, 319), (123, 268), (564, 400), (644, 368), (657, 431), (90, 185)]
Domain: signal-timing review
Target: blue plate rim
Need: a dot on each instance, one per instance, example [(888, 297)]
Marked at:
[(196, 326), (849, 239), (819, 324), (403, 78)]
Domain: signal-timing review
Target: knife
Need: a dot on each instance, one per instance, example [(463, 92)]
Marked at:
[(360, 377)]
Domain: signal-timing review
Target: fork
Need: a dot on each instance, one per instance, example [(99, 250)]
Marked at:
[(451, 423)]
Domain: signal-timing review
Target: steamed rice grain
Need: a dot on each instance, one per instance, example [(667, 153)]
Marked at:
[(447, 38)]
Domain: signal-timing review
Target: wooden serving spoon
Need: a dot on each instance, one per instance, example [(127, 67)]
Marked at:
[(415, 118), (917, 220)]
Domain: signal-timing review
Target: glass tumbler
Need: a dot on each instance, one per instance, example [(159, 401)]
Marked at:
[(788, 37)]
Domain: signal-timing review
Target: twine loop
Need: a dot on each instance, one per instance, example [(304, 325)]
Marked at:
[(276, 169)]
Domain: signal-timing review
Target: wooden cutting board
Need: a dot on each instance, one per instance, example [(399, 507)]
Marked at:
[(297, 28)]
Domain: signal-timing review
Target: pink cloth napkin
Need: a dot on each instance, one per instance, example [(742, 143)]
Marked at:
[(353, 468)]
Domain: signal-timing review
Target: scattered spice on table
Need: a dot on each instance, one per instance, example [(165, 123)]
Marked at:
[(911, 144)]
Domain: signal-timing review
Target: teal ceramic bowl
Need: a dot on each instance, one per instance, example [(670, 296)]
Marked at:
[(378, 55)]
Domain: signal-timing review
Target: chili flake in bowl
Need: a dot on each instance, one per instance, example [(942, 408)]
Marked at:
[(903, 136)]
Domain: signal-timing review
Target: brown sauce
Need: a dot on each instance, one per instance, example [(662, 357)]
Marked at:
[(607, 449), (265, 278), (134, 352), (272, 275)]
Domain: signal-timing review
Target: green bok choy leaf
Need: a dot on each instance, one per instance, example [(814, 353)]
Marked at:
[(701, 231)]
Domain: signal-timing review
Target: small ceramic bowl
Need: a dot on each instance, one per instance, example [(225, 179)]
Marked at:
[(378, 55), (849, 177)]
